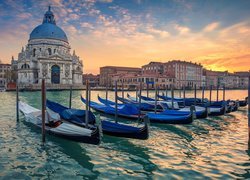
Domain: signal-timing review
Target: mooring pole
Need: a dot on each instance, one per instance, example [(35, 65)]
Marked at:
[(195, 94), (210, 95), (122, 90), (155, 98), (147, 89), (89, 90), (158, 92), (106, 92), (166, 91), (70, 97), (139, 116), (184, 95), (172, 96), (224, 92), (217, 93), (17, 102), (180, 91), (43, 110), (249, 105), (87, 104), (136, 94), (203, 94), (116, 101)]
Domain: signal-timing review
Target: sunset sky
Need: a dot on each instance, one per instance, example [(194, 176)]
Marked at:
[(132, 33)]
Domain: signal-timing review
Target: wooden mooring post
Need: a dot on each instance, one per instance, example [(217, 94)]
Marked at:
[(70, 97), (139, 116), (249, 105), (217, 93), (184, 95), (122, 90), (203, 94), (155, 98), (43, 109), (147, 89), (87, 104), (172, 96), (166, 91), (17, 102), (136, 94), (106, 92), (195, 94), (210, 94), (116, 111)]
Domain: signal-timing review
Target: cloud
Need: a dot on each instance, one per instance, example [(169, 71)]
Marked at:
[(211, 27), (106, 1), (182, 29), (161, 33), (128, 37)]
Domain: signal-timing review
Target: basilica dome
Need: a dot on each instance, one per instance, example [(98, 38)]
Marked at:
[(48, 29)]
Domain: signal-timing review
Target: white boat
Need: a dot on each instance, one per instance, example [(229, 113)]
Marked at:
[(55, 126)]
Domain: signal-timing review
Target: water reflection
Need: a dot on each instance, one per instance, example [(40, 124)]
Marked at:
[(136, 153)]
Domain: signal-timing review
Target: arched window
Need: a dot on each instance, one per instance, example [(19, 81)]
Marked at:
[(54, 51), (49, 50), (34, 52), (25, 66), (55, 74)]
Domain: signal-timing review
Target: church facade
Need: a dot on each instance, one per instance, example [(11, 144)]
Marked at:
[(47, 56)]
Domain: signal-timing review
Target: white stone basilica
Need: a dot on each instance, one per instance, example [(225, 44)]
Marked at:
[(47, 55)]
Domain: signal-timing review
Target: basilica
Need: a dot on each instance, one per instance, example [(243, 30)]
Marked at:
[(47, 56)]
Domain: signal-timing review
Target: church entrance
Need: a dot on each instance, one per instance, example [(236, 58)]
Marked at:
[(55, 74)]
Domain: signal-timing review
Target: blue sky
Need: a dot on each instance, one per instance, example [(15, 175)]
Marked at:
[(133, 32)]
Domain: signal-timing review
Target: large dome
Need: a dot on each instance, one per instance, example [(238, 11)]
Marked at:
[(48, 29)]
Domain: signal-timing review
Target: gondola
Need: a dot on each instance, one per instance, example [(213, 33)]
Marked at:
[(142, 106), (108, 127), (150, 102), (174, 118), (57, 127), (126, 111), (200, 112), (243, 103)]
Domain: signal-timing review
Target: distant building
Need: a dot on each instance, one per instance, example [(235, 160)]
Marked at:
[(93, 79), (214, 78), (185, 73), (153, 68), (5, 69), (243, 79), (230, 80), (108, 72), (131, 81), (47, 56)]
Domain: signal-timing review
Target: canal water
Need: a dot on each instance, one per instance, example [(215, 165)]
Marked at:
[(208, 148)]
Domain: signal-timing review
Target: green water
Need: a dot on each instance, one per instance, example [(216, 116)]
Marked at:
[(208, 148)]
